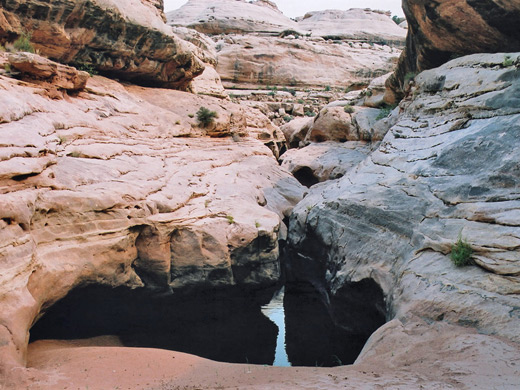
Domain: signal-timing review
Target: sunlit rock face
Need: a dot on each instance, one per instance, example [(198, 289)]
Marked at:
[(124, 186)]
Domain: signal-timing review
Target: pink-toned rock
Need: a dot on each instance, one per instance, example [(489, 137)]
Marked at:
[(104, 186), (41, 70)]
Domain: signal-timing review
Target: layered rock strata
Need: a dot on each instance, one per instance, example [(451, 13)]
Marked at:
[(122, 186), (441, 30), (448, 169), (127, 39)]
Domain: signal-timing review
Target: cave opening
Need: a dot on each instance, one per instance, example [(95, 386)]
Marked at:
[(297, 327)]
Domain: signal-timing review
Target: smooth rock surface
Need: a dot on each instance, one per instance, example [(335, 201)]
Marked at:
[(448, 168), (230, 16), (325, 160), (355, 23), (250, 61), (121, 186)]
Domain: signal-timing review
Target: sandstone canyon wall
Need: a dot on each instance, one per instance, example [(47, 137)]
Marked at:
[(442, 30), (126, 39), (258, 46)]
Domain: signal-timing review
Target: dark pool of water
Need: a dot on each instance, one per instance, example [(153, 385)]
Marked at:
[(295, 328)]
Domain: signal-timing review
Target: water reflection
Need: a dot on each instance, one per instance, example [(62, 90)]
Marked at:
[(274, 310)]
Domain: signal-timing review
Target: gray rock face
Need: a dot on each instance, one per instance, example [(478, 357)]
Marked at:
[(448, 167)]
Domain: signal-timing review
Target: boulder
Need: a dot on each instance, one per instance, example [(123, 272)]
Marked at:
[(127, 39), (296, 130), (208, 83), (345, 123), (472, 26), (121, 186), (324, 161), (41, 70)]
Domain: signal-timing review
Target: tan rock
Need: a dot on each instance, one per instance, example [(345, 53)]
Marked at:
[(466, 28), (39, 69), (230, 16), (137, 46), (296, 130), (120, 186), (250, 61), (354, 23), (208, 83)]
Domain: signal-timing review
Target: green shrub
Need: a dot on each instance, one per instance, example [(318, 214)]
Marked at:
[(89, 68), (383, 113), (310, 113), (205, 116), (301, 101), (408, 77), (230, 219), (23, 43), (461, 253), (287, 118), (327, 88), (397, 19), (508, 61), (348, 109)]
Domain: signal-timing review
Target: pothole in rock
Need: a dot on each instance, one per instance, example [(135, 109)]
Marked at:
[(295, 328)]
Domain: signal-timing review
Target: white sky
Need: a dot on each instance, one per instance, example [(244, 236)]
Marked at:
[(293, 8)]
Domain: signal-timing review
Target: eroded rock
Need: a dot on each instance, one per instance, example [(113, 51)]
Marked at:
[(472, 27), (448, 168), (121, 186), (127, 39)]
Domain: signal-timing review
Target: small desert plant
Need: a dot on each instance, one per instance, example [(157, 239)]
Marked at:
[(348, 109), (287, 118), (23, 43), (230, 219), (461, 253), (7, 68), (301, 101), (508, 61), (191, 115), (89, 68), (206, 116), (383, 113), (327, 88), (310, 113), (408, 77), (257, 224), (2, 49)]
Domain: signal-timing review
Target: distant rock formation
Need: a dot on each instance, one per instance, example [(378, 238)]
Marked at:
[(231, 16), (356, 23), (126, 39), (473, 26), (311, 53)]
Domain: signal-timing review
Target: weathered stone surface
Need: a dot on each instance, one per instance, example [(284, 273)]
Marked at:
[(323, 161), (127, 39), (249, 61), (208, 83), (296, 130), (39, 69), (230, 16), (121, 186), (448, 167), (345, 123), (473, 26), (355, 23)]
